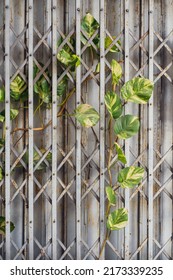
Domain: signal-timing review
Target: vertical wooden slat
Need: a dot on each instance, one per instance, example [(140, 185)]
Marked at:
[(30, 122), (150, 136), (47, 210), (54, 132), (127, 144), (78, 136), (7, 128), (102, 124)]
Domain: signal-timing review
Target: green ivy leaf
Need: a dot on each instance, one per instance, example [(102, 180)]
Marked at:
[(126, 126), (2, 117), (66, 47), (120, 153), (137, 90), (89, 25), (76, 60), (46, 97), (37, 157), (117, 219), (130, 176), (45, 85), (111, 195), (86, 115), (42, 87), (49, 157), (18, 87), (13, 114), (1, 174), (62, 86), (2, 143), (24, 96), (113, 104), (2, 94), (97, 69), (108, 42), (116, 72), (2, 226)]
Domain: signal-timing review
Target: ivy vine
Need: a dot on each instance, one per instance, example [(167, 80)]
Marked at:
[(123, 126)]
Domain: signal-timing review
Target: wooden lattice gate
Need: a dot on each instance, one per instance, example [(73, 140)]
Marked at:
[(59, 211)]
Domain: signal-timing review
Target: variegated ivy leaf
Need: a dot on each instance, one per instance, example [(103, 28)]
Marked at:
[(116, 72), (68, 59), (86, 115), (120, 153), (66, 55), (108, 42), (113, 104), (13, 114), (130, 176), (18, 89), (111, 195), (2, 225), (126, 126), (117, 219), (89, 25), (137, 90)]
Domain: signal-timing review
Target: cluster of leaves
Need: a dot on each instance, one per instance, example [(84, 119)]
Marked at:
[(18, 91)]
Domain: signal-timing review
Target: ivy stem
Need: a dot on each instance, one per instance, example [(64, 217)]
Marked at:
[(60, 113), (108, 210), (108, 233), (38, 107)]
